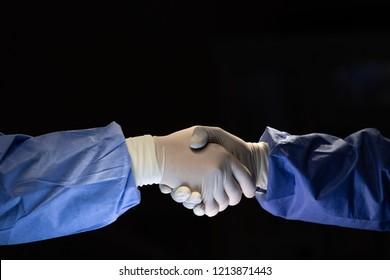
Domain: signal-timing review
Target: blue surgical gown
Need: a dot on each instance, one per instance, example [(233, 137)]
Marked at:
[(68, 182), (63, 183), (324, 179)]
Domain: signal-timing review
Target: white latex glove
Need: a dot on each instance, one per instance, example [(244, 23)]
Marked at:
[(147, 171), (212, 174), (253, 155)]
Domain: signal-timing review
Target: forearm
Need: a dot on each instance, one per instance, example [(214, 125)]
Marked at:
[(324, 179), (63, 183)]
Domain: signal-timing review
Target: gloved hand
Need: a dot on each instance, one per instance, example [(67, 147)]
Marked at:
[(211, 173), (253, 155)]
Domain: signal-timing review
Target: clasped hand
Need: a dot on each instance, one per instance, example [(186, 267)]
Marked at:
[(208, 169)]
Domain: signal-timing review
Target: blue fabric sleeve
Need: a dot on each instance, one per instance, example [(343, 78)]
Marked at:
[(63, 183), (324, 179)]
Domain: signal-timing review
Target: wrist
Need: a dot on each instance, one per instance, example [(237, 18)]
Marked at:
[(259, 155), (145, 166), (160, 146)]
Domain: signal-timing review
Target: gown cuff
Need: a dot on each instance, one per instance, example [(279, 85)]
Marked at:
[(145, 166)]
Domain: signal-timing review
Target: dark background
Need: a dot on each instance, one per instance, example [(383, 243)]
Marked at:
[(156, 67)]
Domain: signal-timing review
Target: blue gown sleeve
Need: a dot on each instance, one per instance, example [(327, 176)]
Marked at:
[(63, 183), (324, 179)]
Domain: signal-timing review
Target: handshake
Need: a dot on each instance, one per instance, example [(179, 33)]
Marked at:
[(205, 168)]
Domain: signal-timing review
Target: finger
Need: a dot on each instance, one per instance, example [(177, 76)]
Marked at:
[(243, 178), (214, 191), (181, 194), (222, 199), (208, 134), (199, 138), (189, 205), (211, 208), (209, 186), (199, 210), (233, 191), (195, 198), (165, 189)]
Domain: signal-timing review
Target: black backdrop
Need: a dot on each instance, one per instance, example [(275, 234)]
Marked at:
[(156, 67)]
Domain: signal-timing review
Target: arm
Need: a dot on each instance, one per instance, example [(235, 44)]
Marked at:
[(324, 179), (68, 182), (317, 177), (63, 183)]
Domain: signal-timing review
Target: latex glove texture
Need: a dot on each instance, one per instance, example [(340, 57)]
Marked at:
[(211, 172), (253, 155)]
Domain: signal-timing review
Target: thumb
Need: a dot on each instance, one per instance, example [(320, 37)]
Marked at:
[(199, 138), (165, 189)]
